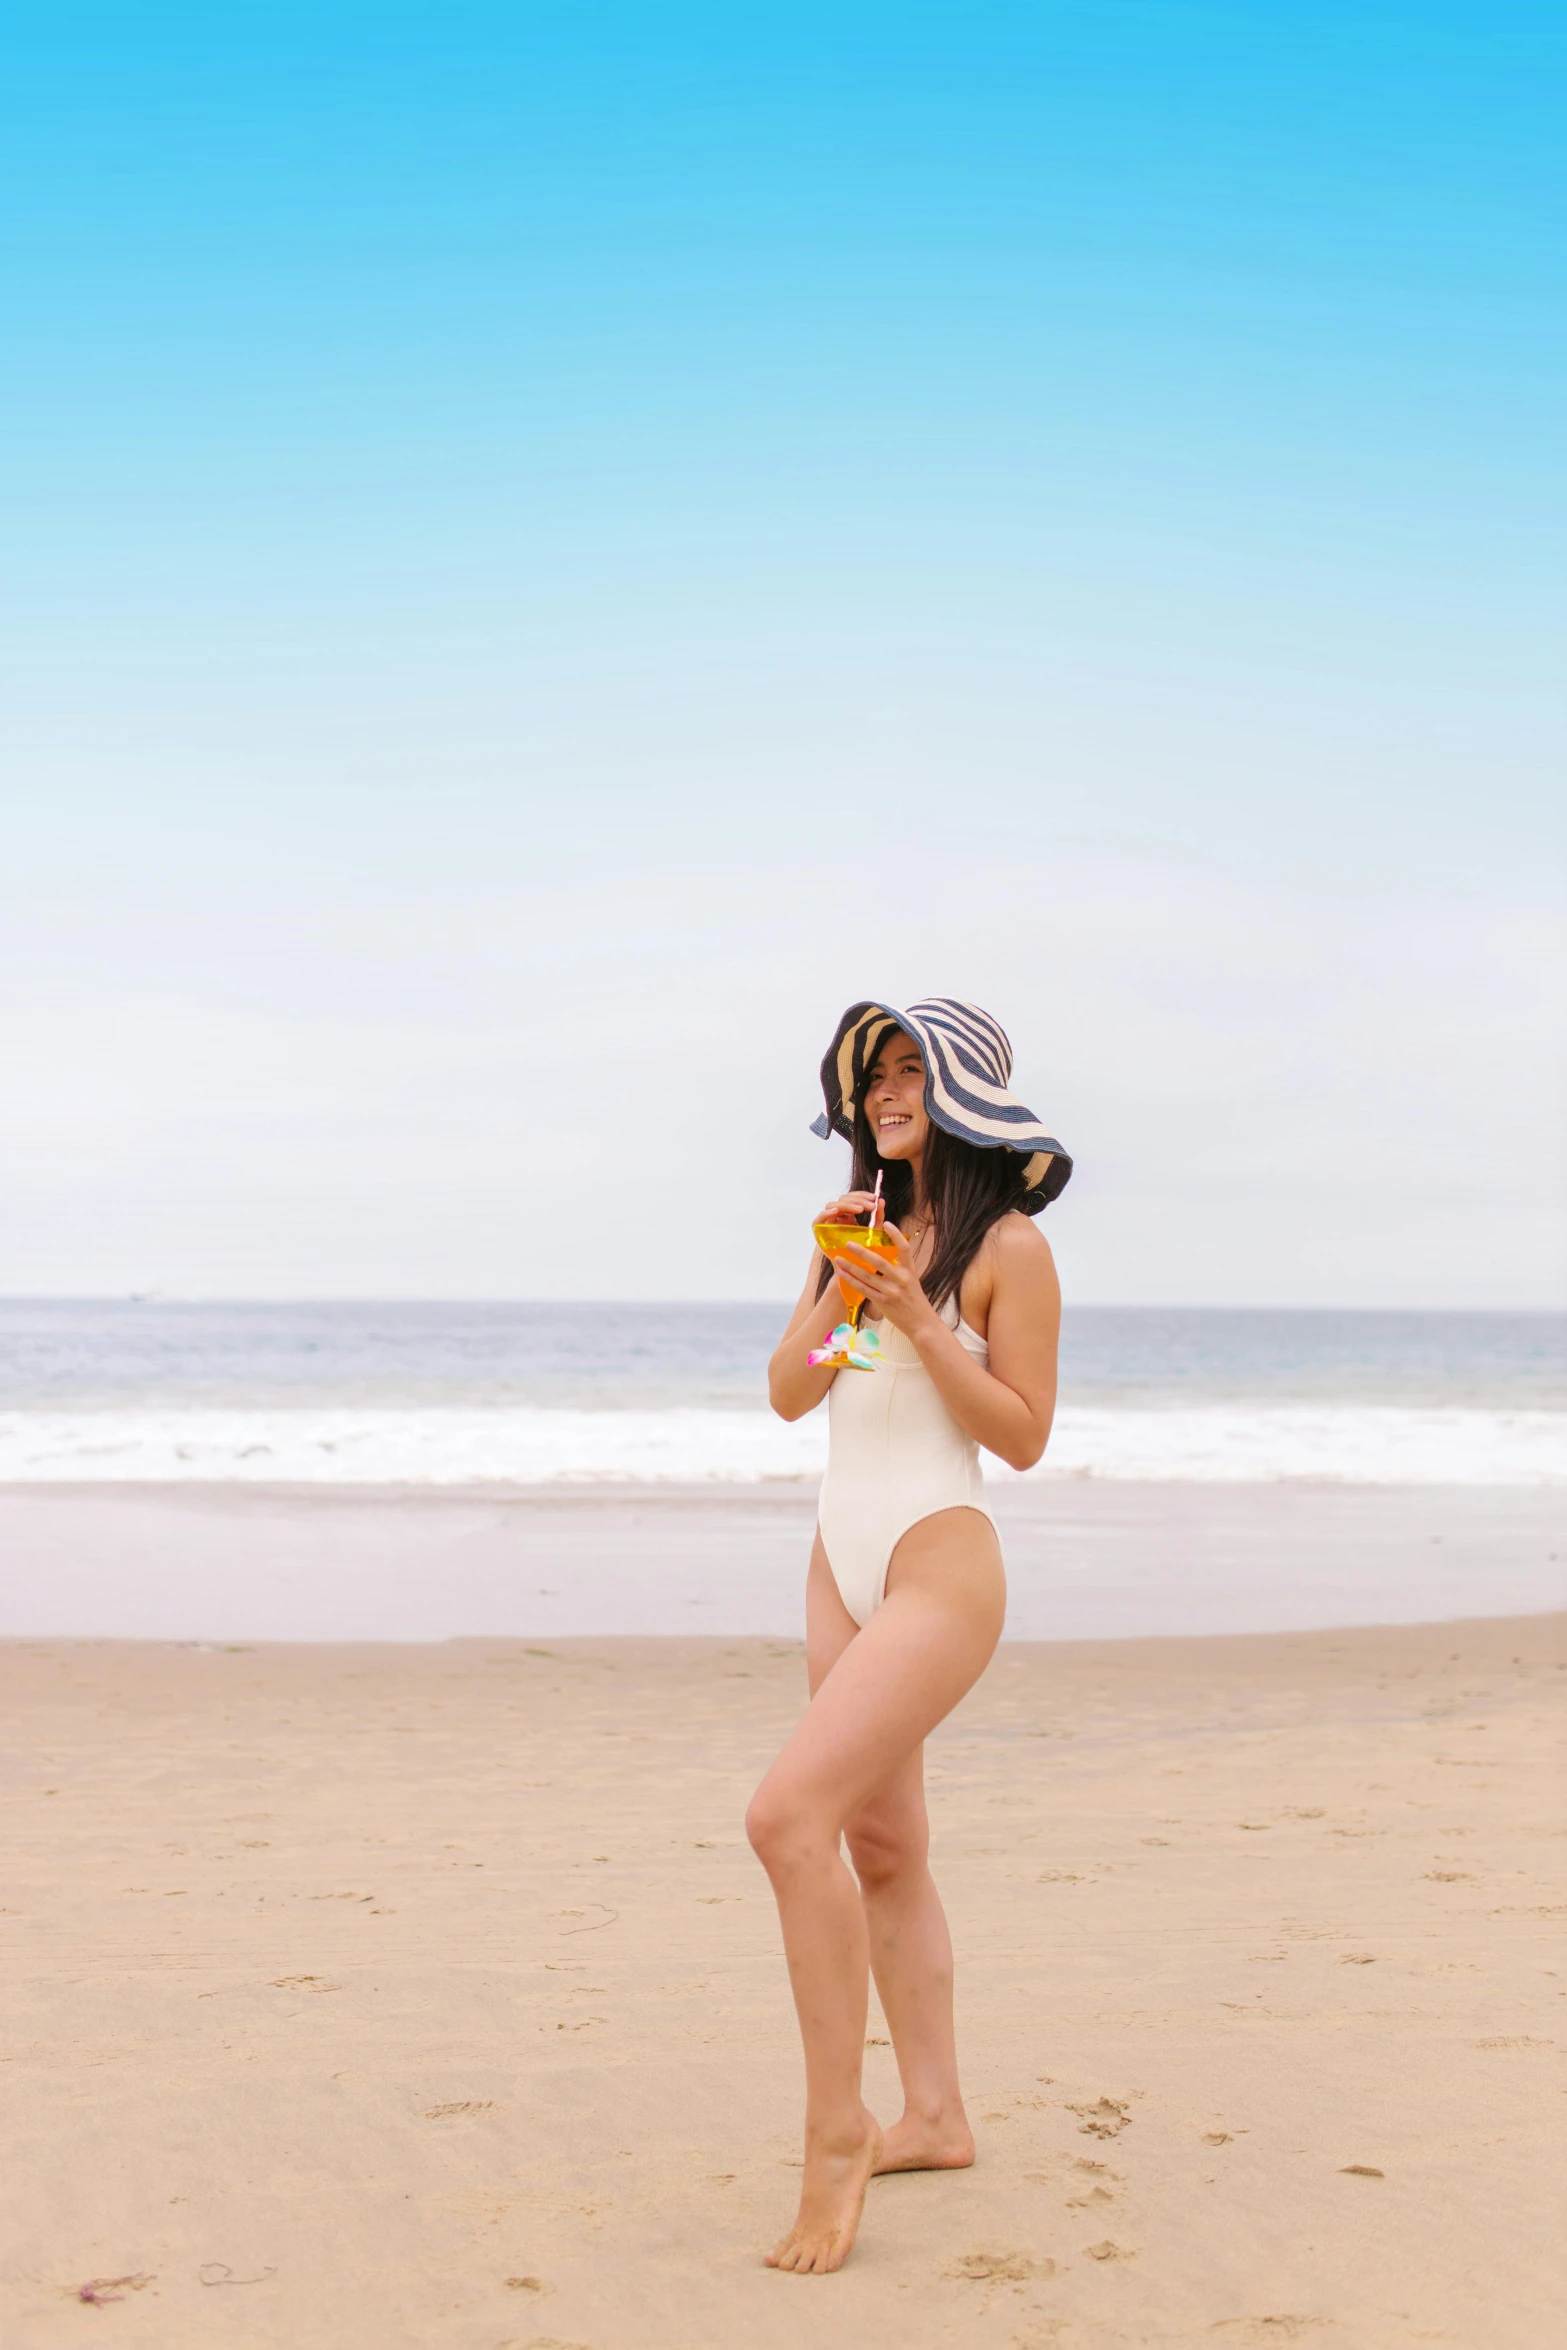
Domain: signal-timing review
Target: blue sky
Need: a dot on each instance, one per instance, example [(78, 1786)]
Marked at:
[(490, 490)]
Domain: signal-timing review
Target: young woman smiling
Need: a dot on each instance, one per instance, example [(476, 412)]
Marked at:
[(905, 1594)]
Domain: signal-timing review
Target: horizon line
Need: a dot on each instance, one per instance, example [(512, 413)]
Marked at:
[(156, 1297)]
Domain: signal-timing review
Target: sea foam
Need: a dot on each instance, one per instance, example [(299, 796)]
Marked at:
[(525, 1445)]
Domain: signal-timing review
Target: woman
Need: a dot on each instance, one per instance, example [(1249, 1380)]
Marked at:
[(905, 1594)]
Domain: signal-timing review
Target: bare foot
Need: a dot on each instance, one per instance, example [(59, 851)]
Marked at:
[(915, 2143), (832, 2196)]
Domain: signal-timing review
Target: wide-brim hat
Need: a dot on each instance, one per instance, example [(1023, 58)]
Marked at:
[(968, 1063)]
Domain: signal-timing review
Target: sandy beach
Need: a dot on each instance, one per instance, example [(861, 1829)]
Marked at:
[(429, 1994)]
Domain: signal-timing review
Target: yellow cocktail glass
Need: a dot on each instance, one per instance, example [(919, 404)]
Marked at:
[(833, 1239)]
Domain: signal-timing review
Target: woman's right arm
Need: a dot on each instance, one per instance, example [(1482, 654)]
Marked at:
[(793, 1388)]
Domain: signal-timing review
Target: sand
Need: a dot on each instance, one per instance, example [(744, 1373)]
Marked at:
[(1085, 1560), (429, 1995)]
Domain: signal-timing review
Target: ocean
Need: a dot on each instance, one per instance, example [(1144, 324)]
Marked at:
[(443, 1395)]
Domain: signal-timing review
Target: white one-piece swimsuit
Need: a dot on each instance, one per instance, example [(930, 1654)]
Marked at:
[(895, 1455)]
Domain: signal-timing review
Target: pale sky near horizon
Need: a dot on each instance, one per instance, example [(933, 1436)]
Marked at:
[(541, 559)]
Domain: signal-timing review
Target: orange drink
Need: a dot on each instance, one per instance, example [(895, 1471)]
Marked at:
[(833, 1239)]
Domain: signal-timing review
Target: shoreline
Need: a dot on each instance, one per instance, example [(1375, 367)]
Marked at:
[(1086, 1559)]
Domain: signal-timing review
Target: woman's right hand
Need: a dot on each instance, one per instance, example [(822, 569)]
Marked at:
[(848, 1210)]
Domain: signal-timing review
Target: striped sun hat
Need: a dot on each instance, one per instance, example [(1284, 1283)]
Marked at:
[(968, 1061)]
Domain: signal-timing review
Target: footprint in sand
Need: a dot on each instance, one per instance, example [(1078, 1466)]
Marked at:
[(1107, 2119), (990, 2267), (1265, 2329), (1108, 2251), (435, 2113)]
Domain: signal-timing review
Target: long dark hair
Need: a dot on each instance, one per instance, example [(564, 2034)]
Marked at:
[(966, 1189)]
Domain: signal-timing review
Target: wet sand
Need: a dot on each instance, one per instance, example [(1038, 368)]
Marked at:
[(1084, 1560), (429, 1994)]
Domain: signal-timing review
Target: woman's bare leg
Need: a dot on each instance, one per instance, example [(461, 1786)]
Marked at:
[(911, 1959), (889, 1685), (910, 1945)]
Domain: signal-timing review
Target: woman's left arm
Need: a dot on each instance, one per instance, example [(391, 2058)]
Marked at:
[(1008, 1409)]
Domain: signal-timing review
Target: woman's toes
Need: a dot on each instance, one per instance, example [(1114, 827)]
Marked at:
[(832, 2196)]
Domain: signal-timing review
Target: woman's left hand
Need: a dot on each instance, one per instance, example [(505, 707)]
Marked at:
[(891, 1284)]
